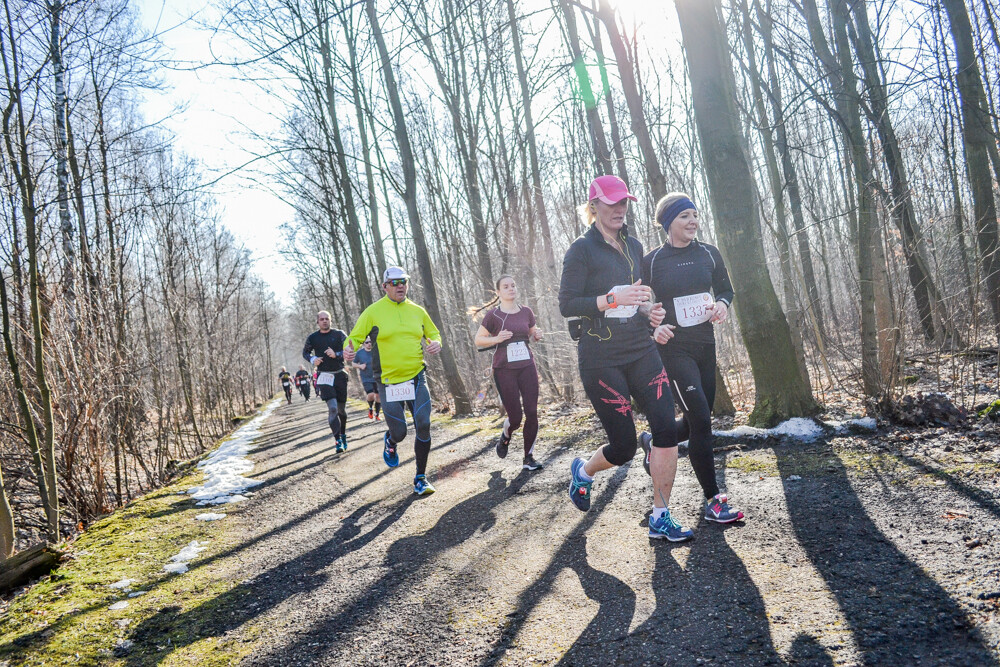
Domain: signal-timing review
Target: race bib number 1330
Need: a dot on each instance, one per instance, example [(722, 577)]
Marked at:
[(404, 391)]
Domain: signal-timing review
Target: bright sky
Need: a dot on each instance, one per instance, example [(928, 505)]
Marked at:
[(209, 128), (208, 110)]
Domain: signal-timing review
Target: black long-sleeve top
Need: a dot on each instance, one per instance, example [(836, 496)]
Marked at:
[(316, 345), (697, 268), (591, 268)]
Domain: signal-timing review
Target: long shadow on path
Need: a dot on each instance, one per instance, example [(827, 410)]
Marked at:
[(405, 567), (897, 613)]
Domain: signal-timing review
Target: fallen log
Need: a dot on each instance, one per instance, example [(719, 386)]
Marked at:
[(29, 564)]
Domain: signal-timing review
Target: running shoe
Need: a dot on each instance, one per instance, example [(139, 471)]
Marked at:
[(343, 442), (717, 509), (530, 463), (378, 418), (371, 415), (421, 486), (579, 490), (340, 446), (389, 454), (646, 442), (503, 442), (665, 528)]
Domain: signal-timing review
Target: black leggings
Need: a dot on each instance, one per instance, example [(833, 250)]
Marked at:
[(691, 367), (611, 390)]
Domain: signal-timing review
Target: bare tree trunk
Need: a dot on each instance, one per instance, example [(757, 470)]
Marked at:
[(6, 523), (979, 145), (529, 138), (452, 374), (781, 390), (65, 223), (640, 130), (602, 157)]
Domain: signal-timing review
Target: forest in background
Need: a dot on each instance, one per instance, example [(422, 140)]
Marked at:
[(843, 153)]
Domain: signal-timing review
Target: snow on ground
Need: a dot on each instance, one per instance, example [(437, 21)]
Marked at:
[(178, 563), (124, 584), (801, 429), (210, 516), (224, 468)]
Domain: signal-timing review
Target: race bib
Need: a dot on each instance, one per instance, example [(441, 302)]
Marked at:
[(325, 378), (404, 391), (620, 312), (518, 351), (285, 383), (691, 309)]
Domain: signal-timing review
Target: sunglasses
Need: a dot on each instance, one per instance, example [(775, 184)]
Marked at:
[(396, 282)]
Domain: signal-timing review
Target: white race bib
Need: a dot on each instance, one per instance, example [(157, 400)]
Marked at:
[(404, 391), (691, 309), (518, 351), (620, 312), (325, 378)]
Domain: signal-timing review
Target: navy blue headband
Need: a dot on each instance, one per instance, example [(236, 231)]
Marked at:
[(672, 211)]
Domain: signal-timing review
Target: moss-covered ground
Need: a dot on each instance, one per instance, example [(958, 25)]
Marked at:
[(66, 617)]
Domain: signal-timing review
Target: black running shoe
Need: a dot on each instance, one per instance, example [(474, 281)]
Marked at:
[(530, 463), (503, 442)]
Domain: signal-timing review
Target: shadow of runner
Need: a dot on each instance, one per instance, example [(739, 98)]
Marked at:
[(615, 598), (405, 561), (171, 627), (708, 609), (897, 613)]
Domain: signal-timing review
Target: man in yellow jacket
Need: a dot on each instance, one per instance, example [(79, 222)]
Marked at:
[(398, 328)]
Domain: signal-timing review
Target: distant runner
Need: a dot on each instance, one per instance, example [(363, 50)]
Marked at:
[(398, 328), (364, 362), (324, 349), (618, 360), (510, 327), (285, 378), (302, 381), (685, 273)]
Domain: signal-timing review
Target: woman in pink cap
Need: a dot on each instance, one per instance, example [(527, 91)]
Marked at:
[(618, 359)]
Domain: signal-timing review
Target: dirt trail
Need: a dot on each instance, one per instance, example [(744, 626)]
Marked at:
[(864, 560)]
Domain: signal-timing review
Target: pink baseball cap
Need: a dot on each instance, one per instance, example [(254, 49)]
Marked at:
[(609, 189)]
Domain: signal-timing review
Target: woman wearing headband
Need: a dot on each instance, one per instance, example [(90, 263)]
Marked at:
[(691, 280)]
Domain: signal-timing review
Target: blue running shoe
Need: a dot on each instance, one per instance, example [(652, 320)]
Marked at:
[(579, 490), (666, 528), (717, 509), (646, 442), (421, 486), (389, 454), (343, 442)]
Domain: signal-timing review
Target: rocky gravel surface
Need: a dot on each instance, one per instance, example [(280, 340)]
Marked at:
[(880, 549)]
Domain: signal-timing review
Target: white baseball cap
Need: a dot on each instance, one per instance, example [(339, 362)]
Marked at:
[(394, 273)]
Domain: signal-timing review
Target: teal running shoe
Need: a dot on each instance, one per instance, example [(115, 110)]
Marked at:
[(646, 442), (579, 490), (665, 528), (421, 486)]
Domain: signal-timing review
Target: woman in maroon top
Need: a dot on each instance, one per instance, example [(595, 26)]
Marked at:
[(509, 328)]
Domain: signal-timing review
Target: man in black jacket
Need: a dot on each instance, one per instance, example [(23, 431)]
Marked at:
[(324, 349)]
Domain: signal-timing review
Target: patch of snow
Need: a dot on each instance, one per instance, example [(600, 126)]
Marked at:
[(211, 516), (793, 478), (178, 563), (801, 429), (118, 606), (190, 552), (120, 585), (135, 594), (224, 468)]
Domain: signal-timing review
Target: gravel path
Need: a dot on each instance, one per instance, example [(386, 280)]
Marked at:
[(879, 554)]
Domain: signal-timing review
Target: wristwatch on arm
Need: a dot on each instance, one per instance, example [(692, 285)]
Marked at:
[(610, 296)]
